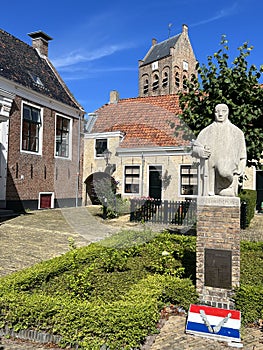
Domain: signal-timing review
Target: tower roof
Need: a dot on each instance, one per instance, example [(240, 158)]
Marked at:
[(160, 50)]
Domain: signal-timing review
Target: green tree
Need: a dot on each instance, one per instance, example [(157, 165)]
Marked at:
[(237, 85)]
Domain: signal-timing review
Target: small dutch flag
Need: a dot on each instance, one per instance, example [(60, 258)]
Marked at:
[(215, 323)]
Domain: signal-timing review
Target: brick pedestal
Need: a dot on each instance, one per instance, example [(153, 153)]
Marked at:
[(217, 249)]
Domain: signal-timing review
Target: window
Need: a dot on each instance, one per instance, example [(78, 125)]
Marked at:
[(185, 82), (146, 86), (132, 179), (36, 79), (185, 65), (62, 136), (100, 147), (155, 65), (165, 79), (31, 126), (177, 80), (189, 180), (155, 82)]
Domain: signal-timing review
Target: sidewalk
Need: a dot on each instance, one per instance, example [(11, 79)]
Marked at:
[(24, 241)]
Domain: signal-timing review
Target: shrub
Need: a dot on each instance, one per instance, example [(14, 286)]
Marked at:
[(250, 197), (121, 324), (98, 295), (248, 299), (251, 263)]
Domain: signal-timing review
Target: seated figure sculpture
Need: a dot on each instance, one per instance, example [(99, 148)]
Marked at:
[(221, 149)]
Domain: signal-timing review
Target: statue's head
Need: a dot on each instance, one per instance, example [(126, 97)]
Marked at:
[(221, 112)]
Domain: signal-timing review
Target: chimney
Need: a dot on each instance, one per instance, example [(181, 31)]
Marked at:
[(154, 41), (114, 97), (185, 29), (40, 42)]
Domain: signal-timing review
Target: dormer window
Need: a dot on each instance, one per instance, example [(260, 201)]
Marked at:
[(36, 79)]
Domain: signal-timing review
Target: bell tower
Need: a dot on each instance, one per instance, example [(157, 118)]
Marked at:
[(167, 65)]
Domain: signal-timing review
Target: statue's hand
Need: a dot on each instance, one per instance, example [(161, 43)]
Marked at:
[(206, 152), (200, 151)]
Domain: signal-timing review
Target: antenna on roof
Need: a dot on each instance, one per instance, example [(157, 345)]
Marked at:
[(169, 29)]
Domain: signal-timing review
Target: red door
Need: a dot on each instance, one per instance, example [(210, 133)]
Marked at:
[(45, 201)]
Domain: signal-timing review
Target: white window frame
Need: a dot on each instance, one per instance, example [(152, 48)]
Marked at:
[(40, 135), (124, 180), (95, 150), (180, 182), (52, 199), (69, 157)]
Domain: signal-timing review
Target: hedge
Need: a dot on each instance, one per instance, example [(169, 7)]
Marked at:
[(122, 324), (57, 296)]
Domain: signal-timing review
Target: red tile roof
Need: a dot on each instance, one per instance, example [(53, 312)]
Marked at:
[(144, 120)]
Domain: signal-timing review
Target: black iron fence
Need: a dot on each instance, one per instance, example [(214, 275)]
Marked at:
[(163, 212), (172, 212)]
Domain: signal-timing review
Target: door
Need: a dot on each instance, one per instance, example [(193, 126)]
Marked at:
[(155, 181), (45, 201), (259, 188)]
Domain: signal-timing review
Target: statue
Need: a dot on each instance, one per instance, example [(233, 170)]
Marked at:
[(221, 149)]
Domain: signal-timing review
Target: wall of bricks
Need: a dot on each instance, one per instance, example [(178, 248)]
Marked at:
[(29, 173), (218, 227)]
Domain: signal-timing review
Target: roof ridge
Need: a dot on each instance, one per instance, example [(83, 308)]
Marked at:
[(172, 37)]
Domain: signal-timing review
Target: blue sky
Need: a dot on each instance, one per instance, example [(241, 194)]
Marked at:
[(97, 44)]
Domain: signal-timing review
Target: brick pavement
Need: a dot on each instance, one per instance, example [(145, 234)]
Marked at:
[(24, 241)]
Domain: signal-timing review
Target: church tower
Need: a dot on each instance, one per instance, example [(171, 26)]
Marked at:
[(167, 65)]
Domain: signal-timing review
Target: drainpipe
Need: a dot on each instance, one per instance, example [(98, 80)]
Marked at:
[(142, 174), (78, 164)]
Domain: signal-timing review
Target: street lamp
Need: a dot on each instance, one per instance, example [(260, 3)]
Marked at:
[(107, 155)]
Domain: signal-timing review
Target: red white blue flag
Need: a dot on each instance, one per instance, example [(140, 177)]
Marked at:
[(212, 322)]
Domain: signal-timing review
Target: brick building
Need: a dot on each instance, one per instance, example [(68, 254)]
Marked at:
[(167, 65), (40, 129)]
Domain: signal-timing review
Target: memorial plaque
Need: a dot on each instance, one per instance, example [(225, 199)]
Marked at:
[(218, 268)]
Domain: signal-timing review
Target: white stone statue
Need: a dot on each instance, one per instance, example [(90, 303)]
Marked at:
[(221, 149)]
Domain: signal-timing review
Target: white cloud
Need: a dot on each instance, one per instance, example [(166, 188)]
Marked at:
[(80, 56), (79, 73), (220, 14)]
